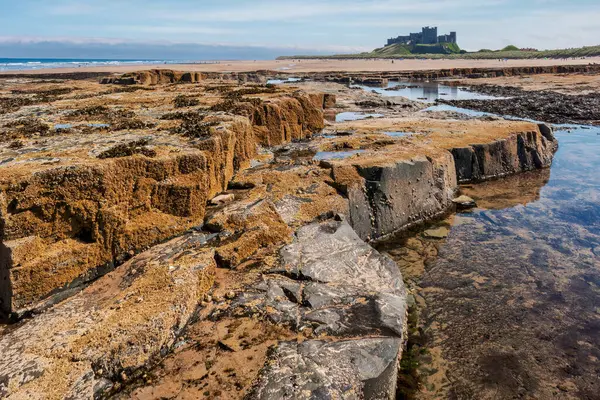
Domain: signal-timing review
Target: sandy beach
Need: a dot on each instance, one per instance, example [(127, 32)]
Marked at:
[(291, 66)]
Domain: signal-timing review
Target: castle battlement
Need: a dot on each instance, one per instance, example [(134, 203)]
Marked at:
[(428, 35)]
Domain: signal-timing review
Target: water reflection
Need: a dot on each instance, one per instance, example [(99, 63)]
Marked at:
[(427, 91), (355, 116), (520, 189), (400, 134), (509, 303), (281, 81), (336, 155)]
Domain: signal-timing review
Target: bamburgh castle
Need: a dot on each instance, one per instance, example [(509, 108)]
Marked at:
[(426, 36)]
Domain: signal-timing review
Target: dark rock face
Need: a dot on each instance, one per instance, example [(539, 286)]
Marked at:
[(353, 369), (336, 285), (166, 76), (523, 152), (547, 106), (391, 196)]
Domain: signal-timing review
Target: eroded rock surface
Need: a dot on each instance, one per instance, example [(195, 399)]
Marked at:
[(75, 204), (123, 322), (337, 285), (353, 369)]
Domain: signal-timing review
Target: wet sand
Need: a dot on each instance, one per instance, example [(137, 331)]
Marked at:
[(291, 66)]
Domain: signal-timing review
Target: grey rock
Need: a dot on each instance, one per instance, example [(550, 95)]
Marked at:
[(399, 194), (352, 369), (521, 152), (339, 285), (333, 283)]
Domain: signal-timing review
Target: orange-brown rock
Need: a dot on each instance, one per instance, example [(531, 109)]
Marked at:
[(69, 215), (124, 321)]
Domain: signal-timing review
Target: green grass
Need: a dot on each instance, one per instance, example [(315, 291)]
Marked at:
[(443, 48), (393, 50), (403, 51)]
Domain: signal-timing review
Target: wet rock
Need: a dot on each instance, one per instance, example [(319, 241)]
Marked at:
[(548, 106), (396, 193), (520, 152), (464, 202), (375, 102), (437, 233), (361, 369)]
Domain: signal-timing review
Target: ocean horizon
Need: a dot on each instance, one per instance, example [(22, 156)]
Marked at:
[(25, 64)]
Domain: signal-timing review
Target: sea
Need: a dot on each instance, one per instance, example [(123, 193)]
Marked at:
[(22, 64)]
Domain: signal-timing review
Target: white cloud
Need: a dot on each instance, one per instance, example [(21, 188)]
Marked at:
[(337, 25), (295, 10), (182, 29)]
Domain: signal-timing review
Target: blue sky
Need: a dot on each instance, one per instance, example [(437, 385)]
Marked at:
[(300, 26)]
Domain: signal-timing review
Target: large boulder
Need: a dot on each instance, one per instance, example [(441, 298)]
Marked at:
[(331, 283), (391, 194)]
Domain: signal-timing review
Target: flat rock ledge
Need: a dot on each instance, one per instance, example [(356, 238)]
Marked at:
[(343, 291)]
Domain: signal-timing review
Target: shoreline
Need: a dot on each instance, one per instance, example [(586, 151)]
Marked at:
[(321, 65)]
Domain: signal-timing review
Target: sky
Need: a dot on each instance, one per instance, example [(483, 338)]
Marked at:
[(267, 28)]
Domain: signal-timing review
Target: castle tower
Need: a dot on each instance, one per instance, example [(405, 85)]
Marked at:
[(430, 35), (453, 37)]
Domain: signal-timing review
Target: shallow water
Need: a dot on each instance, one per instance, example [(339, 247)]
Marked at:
[(336, 155), (63, 126), (479, 114), (466, 111), (281, 81), (355, 116), (427, 91), (400, 134), (509, 303)]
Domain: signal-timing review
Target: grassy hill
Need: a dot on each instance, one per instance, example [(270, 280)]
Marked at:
[(425, 51), (392, 50), (403, 50)]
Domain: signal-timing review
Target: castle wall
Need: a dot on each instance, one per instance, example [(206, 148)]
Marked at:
[(426, 36)]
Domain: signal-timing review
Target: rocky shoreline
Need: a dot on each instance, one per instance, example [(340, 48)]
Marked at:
[(548, 106), (144, 234)]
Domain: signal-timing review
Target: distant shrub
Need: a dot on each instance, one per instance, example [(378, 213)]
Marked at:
[(511, 48)]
